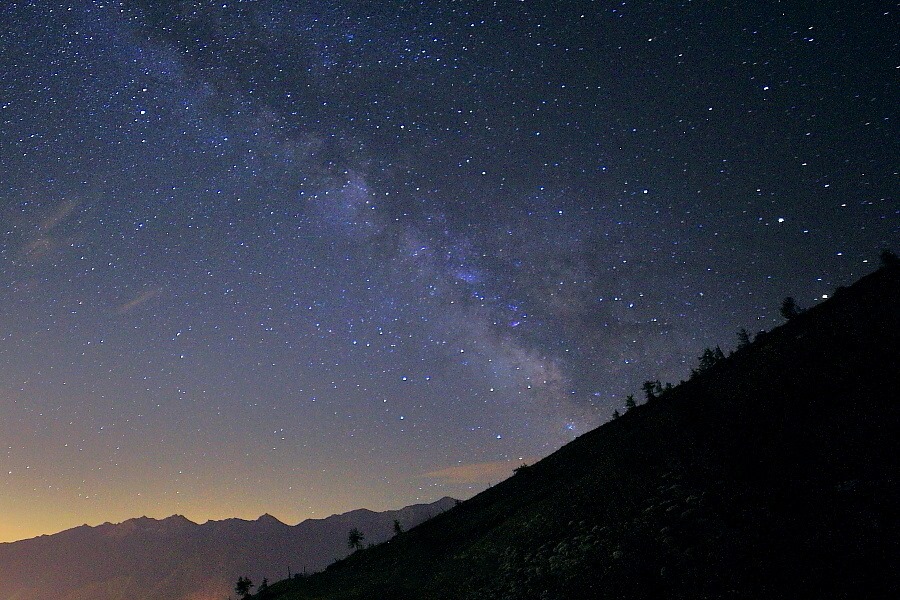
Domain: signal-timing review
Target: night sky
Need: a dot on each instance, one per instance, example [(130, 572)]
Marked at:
[(304, 257)]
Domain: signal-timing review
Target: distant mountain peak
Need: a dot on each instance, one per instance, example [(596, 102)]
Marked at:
[(269, 519), (151, 522), (178, 519), (143, 525)]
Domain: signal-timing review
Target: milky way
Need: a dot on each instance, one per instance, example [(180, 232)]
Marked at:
[(303, 257)]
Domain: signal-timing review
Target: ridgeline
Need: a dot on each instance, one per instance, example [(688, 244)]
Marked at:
[(771, 473)]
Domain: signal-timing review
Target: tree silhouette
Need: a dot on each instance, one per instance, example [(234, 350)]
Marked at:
[(789, 308), (652, 389), (242, 587), (709, 358), (262, 590), (355, 539), (616, 414), (743, 338), (398, 529), (629, 402)]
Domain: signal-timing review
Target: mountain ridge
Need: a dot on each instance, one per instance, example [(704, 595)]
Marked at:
[(265, 517), (174, 557)]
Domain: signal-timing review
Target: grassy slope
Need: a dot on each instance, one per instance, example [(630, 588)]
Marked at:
[(772, 474)]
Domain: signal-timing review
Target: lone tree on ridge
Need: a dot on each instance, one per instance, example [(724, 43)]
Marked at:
[(789, 308), (242, 587), (355, 539)]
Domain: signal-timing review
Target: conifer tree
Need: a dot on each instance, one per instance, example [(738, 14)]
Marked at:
[(629, 402), (789, 308), (652, 389)]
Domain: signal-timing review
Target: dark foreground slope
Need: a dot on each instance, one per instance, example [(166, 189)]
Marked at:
[(772, 474)]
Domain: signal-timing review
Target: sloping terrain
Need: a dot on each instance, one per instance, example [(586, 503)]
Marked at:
[(772, 473), (177, 559)]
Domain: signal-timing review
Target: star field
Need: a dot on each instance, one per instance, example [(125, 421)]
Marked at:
[(305, 257)]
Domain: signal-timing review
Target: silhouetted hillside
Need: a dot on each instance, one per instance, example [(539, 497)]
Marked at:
[(772, 473), (177, 559)]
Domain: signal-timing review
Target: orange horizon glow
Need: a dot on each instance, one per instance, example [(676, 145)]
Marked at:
[(39, 517)]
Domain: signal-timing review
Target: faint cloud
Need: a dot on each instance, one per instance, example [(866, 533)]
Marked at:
[(141, 299), (486, 472), (58, 215), (41, 238), (36, 249)]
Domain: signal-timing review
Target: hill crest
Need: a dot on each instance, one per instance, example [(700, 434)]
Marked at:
[(770, 473)]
